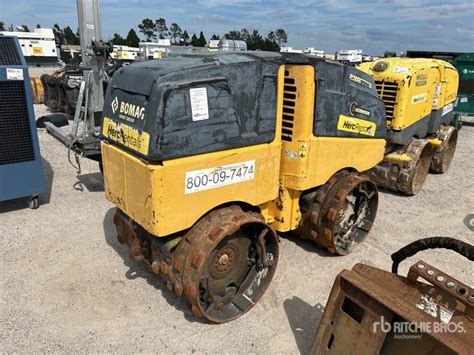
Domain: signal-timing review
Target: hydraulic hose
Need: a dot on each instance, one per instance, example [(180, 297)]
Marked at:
[(462, 248)]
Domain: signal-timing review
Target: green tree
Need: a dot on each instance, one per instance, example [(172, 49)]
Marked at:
[(271, 36), (38, 25), (132, 39), (215, 37), (175, 33), (270, 44), (194, 41), (186, 38), (70, 37), (161, 28), (255, 41), (201, 40), (148, 28), (25, 28), (117, 40), (235, 35), (2, 25), (281, 36), (244, 35)]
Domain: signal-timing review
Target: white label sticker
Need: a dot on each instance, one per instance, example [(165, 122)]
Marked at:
[(438, 90), (428, 305), (291, 154), (447, 109), (400, 70), (463, 100), (200, 180), (199, 108), (417, 99), (14, 74), (445, 315)]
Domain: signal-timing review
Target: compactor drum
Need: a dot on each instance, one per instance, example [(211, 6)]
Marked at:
[(208, 157), (419, 97)]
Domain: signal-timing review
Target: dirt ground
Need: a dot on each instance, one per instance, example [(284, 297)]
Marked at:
[(67, 285)]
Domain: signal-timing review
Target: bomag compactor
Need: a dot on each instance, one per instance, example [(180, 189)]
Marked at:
[(419, 97), (208, 157)]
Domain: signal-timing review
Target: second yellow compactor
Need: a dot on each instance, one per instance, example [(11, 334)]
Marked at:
[(419, 97)]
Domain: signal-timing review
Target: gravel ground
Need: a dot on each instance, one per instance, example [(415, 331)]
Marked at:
[(67, 285)]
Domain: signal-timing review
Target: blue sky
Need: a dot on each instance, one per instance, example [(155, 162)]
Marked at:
[(371, 25)]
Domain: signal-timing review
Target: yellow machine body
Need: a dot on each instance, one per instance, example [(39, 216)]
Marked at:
[(418, 93), (295, 161), (37, 90), (308, 161), (153, 195)]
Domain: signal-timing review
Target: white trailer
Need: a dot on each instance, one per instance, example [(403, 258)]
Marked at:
[(154, 50), (232, 45), (313, 52), (125, 53), (350, 56), (213, 45), (38, 47), (290, 50)]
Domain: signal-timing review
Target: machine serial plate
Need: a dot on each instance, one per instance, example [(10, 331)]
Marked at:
[(200, 180)]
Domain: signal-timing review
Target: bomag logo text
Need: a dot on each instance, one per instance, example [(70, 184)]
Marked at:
[(132, 110), (359, 80)]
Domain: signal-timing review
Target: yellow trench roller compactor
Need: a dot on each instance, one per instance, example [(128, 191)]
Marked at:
[(419, 97), (208, 157)]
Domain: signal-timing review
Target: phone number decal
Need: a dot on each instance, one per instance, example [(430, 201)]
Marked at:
[(200, 180)]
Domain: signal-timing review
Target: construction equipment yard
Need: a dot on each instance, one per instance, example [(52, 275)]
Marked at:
[(67, 284), (165, 193)]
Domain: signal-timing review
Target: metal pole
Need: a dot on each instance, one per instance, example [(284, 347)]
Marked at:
[(90, 31)]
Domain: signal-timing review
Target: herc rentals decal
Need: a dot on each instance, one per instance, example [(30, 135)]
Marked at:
[(418, 99), (127, 136), (356, 125)]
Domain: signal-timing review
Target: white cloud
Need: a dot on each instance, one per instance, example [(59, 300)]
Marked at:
[(410, 3), (216, 3), (466, 32), (373, 25)]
